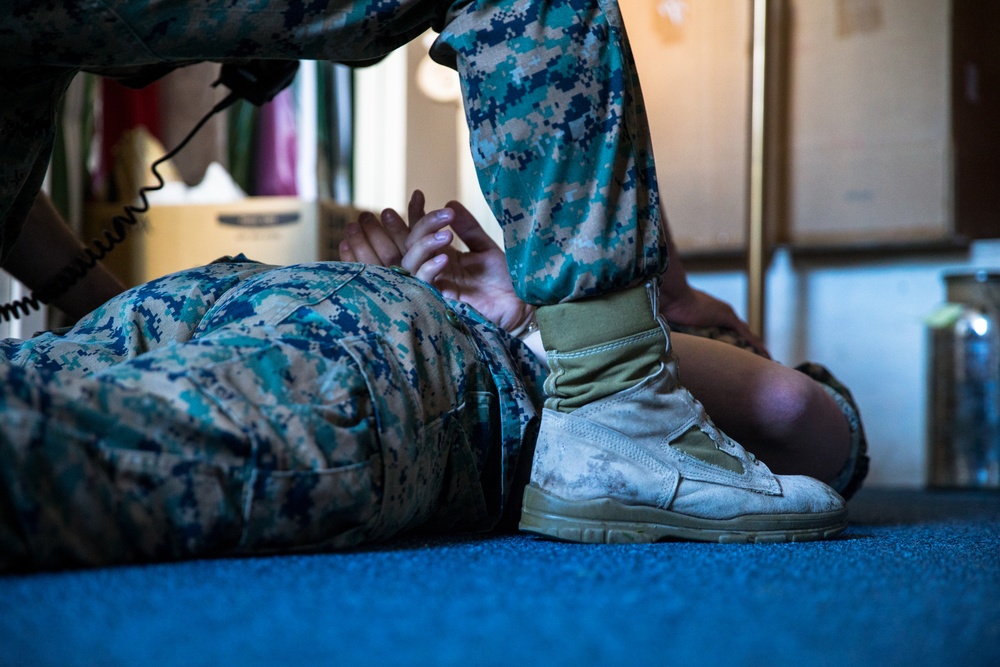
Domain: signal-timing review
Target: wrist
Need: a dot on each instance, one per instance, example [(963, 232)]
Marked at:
[(527, 326)]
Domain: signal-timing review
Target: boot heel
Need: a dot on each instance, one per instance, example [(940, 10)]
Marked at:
[(545, 515)]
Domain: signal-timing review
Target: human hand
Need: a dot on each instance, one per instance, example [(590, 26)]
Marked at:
[(478, 277), (382, 240), (374, 241)]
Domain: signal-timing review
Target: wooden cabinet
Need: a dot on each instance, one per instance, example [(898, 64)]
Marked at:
[(868, 109), (890, 121), (975, 104)]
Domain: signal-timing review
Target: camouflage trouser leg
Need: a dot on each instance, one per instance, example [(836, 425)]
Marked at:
[(560, 141), (300, 414), (152, 315), (147, 463)]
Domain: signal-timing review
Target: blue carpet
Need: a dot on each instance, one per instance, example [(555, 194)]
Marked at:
[(914, 581)]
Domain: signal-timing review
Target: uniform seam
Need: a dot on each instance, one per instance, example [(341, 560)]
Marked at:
[(614, 345)]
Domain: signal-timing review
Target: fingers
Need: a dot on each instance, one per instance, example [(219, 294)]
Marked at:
[(396, 228), (469, 230), (368, 241), (731, 320), (428, 243), (432, 269), (744, 330), (382, 239), (428, 225), (355, 246), (426, 249), (415, 209)]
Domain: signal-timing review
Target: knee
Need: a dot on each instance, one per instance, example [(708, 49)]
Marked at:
[(788, 402)]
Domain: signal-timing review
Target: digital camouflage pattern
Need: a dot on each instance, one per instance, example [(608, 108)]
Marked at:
[(239, 408), (558, 130), (560, 142)]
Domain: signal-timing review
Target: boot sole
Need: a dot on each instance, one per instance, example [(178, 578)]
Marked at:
[(605, 521)]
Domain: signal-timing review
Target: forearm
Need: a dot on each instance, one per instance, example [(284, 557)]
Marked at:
[(45, 246)]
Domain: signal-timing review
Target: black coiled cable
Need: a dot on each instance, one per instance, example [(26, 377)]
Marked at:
[(113, 236)]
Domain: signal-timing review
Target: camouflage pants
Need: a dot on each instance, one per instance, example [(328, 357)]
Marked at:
[(558, 130), (237, 409)]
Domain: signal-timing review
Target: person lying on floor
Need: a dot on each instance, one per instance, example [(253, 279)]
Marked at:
[(239, 408)]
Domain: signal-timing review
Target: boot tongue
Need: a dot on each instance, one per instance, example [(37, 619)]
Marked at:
[(698, 444)]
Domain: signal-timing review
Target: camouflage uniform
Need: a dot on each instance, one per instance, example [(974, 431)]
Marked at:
[(558, 130), (240, 408)]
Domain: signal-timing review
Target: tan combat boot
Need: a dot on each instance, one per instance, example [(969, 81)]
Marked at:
[(645, 463)]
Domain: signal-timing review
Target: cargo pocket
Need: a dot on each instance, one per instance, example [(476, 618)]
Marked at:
[(328, 505), (414, 452), (313, 478), (471, 496)]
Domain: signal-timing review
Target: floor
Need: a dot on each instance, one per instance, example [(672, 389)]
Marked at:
[(914, 581)]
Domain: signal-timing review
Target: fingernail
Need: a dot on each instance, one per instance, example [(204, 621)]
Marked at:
[(441, 236), (352, 228)]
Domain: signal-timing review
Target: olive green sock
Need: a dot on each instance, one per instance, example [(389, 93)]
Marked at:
[(600, 346)]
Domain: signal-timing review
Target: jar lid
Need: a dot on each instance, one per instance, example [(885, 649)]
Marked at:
[(973, 275)]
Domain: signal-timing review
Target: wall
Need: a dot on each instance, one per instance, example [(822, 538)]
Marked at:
[(406, 139), (693, 62), (862, 111), (869, 120)]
